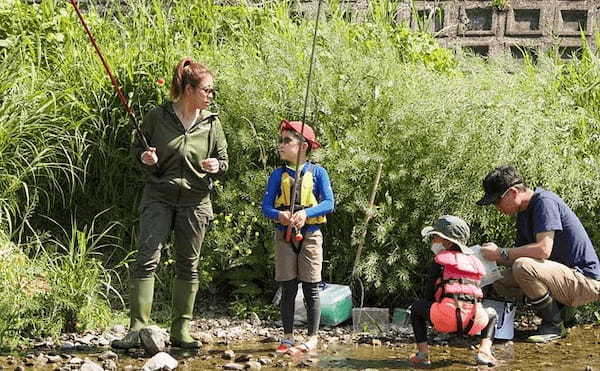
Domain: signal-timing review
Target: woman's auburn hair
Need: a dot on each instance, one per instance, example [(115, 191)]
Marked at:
[(187, 72)]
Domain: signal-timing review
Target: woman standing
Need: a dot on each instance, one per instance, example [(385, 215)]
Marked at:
[(187, 147)]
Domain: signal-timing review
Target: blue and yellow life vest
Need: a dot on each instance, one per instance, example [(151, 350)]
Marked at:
[(307, 196)]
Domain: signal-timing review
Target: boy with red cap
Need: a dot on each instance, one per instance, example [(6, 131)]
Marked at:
[(299, 258)]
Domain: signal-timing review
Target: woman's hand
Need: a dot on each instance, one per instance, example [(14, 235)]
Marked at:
[(210, 165), (299, 219), (149, 157)]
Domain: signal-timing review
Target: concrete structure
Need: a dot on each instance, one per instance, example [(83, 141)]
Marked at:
[(524, 26)]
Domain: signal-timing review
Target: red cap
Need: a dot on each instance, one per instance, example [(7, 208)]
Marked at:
[(307, 132)]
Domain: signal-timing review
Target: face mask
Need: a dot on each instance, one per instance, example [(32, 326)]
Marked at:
[(437, 247)]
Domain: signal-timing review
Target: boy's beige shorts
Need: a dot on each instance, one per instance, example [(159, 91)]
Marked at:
[(306, 265)]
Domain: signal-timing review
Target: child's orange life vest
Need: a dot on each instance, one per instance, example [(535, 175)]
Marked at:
[(457, 306)]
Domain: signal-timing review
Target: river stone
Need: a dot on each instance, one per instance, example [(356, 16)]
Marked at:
[(269, 339), (228, 355), (119, 329), (54, 359), (311, 362), (67, 346), (75, 361), (108, 355), (153, 339), (252, 365), (243, 358), (90, 366), (265, 360), (254, 319), (19, 368), (233, 366), (110, 365), (160, 361), (205, 337)]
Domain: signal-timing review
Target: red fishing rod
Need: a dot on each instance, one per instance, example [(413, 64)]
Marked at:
[(114, 81), (288, 234)]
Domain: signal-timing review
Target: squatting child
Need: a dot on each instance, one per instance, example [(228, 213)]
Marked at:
[(453, 297), (299, 258)]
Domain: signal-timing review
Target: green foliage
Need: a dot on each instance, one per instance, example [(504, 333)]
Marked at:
[(501, 4), (380, 93), (242, 308), (55, 292)]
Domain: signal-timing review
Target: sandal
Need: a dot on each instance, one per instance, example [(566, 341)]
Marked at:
[(485, 359), (284, 346)]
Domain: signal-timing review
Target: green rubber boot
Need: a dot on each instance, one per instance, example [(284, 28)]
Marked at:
[(184, 295), (552, 326), (142, 292)]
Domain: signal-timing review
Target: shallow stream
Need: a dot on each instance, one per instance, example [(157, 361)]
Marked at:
[(579, 351)]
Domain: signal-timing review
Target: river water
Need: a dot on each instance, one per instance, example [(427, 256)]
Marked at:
[(579, 351)]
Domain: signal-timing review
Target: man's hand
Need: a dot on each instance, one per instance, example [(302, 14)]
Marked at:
[(210, 165), (299, 219), (284, 217), (149, 157), (490, 251)]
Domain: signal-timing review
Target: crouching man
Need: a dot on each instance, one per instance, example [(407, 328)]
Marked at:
[(554, 263)]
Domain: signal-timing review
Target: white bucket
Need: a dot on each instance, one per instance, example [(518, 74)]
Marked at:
[(505, 326)]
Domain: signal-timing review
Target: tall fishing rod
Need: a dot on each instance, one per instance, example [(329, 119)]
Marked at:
[(288, 233), (114, 81)]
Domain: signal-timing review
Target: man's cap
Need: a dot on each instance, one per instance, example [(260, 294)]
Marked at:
[(497, 182), (307, 132), (453, 229)]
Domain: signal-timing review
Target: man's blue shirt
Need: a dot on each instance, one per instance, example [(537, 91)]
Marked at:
[(572, 245)]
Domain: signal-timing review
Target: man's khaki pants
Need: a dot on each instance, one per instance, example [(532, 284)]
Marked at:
[(534, 277)]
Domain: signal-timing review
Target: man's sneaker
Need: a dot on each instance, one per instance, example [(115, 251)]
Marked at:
[(547, 332), (284, 346), (420, 359)]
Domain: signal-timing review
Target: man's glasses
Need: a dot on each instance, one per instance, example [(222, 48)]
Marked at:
[(505, 192)]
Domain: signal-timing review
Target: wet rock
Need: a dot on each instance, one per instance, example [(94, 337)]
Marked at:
[(54, 358), (265, 361), (153, 339), (282, 363), (119, 329), (253, 365), (108, 355), (243, 358), (67, 346), (228, 355), (110, 365), (269, 339), (376, 342), (104, 342), (87, 339), (75, 361), (308, 363), (90, 366), (160, 361), (29, 362), (19, 368), (254, 319), (589, 368), (205, 337), (233, 366)]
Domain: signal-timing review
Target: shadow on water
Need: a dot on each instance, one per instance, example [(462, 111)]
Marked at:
[(579, 351)]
